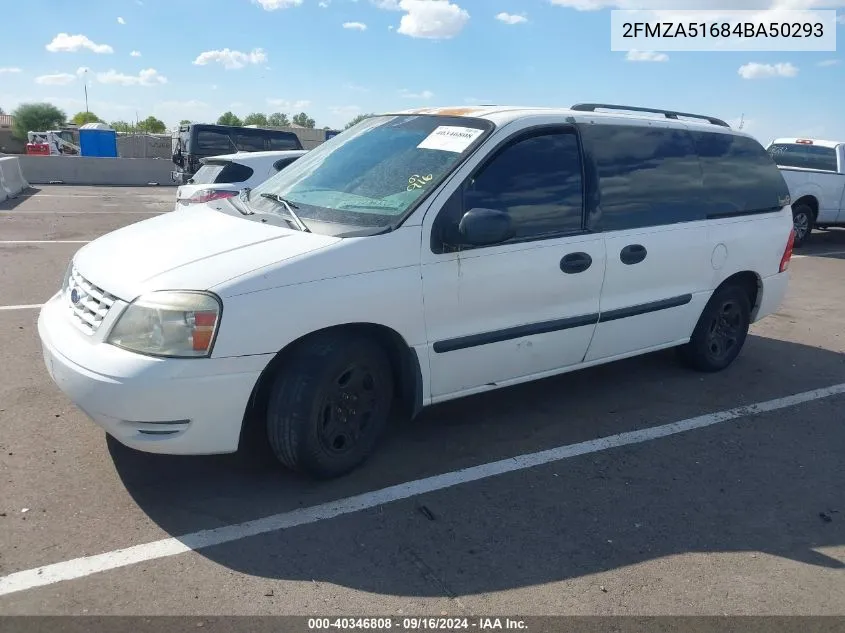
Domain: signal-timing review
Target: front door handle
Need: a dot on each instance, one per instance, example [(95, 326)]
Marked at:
[(575, 263), (633, 254)]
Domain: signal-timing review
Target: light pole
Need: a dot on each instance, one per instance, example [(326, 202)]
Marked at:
[(85, 80)]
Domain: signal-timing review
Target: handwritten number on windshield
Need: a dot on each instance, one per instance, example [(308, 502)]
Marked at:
[(418, 182)]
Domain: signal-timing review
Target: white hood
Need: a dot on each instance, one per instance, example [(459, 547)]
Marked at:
[(193, 249)]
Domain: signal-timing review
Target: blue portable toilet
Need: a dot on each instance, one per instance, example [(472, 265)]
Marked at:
[(97, 139)]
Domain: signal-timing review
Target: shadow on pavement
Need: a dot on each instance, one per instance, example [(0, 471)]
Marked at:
[(769, 483), (11, 203)]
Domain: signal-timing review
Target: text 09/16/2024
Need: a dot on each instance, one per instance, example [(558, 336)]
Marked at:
[(690, 30)]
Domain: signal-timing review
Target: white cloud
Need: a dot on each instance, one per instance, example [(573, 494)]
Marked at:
[(356, 87), (692, 5), (231, 59), (407, 94), (388, 5), (82, 70), (355, 26), (323, 4), (829, 62), (121, 21), (476, 101), (753, 70), (646, 56), (65, 43), (285, 104), (273, 5), (345, 111), (59, 79), (147, 77), (511, 18), (135, 54), (10, 69), (432, 19)]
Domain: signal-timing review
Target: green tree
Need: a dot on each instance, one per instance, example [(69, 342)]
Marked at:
[(36, 117), (81, 118), (184, 122), (122, 126), (358, 119), (152, 125), (279, 119), (304, 120), (256, 118), (229, 118)]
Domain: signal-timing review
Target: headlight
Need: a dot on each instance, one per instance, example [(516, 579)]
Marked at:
[(169, 323)]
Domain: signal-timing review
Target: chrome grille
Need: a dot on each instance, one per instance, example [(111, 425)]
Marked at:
[(92, 302)]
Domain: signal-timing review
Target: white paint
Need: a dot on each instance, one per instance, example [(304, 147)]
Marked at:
[(44, 241), (450, 138), (28, 306), (88, 565)]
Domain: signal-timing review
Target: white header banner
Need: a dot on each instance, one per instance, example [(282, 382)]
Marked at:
[(723, 30)]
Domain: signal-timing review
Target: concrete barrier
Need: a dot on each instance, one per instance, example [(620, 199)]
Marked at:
[(90, 170), (12, 181)]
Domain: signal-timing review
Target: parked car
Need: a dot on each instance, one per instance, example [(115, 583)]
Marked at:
[(196, 141), (224, 176), (416, 258), (814, 171)]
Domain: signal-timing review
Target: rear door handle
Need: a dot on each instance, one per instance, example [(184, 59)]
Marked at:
[(633, 254), (575, 263)]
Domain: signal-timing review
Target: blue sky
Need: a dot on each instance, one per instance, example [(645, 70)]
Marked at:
[(195, 59)]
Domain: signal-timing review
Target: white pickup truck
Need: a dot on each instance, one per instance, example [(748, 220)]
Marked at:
[(814, 171)]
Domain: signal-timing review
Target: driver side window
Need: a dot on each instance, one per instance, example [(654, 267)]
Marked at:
[(537, 180)]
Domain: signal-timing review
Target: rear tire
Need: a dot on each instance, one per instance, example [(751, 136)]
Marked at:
[(721, 331), (802, 220), (329, 405)]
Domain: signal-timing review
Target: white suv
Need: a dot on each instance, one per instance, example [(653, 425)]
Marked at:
[(416, 258)]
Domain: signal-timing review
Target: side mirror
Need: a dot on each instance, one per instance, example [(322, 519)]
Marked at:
[(483, 227)]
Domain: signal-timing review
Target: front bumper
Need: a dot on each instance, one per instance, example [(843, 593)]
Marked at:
[(174, 406)]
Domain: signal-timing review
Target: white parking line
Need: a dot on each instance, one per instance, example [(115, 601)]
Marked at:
[(28, 306), (44, 241), (87, 565)]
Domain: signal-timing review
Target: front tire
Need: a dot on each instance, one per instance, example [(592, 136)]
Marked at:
[(329, 405), (803, 221), (720, 332)]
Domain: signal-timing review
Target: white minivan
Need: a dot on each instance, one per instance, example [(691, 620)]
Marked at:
[(415, 258)]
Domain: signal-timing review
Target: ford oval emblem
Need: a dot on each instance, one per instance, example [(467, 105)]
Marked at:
[(74, 296)]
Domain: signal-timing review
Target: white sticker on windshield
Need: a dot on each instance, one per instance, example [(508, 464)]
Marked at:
[(450, 138)]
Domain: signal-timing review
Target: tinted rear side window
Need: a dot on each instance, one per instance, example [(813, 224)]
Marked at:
[(280, 164), (739, 175), (286, 142), (644, 176), (210, 143), (235, 172), (803, 155)]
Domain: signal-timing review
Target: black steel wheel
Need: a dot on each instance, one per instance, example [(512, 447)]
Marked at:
[(721, 330), (330, 405)]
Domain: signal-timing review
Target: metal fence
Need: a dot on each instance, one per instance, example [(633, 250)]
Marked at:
[(141, 145)]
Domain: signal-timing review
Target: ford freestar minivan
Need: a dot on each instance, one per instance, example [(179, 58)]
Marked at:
[(415, 258)]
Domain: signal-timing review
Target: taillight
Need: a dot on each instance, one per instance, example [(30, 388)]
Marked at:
[(787, 253), (208, 195)]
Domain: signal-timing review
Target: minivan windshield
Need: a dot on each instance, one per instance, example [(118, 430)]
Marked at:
[(373, 173)]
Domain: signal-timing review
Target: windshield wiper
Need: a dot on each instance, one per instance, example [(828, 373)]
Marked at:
[(289, 207)]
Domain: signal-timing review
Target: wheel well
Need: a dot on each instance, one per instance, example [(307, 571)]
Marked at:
[(750, 282), (403, 361), (811, 202)]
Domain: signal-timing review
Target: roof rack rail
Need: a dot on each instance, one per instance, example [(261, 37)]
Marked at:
[(669, 114)]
